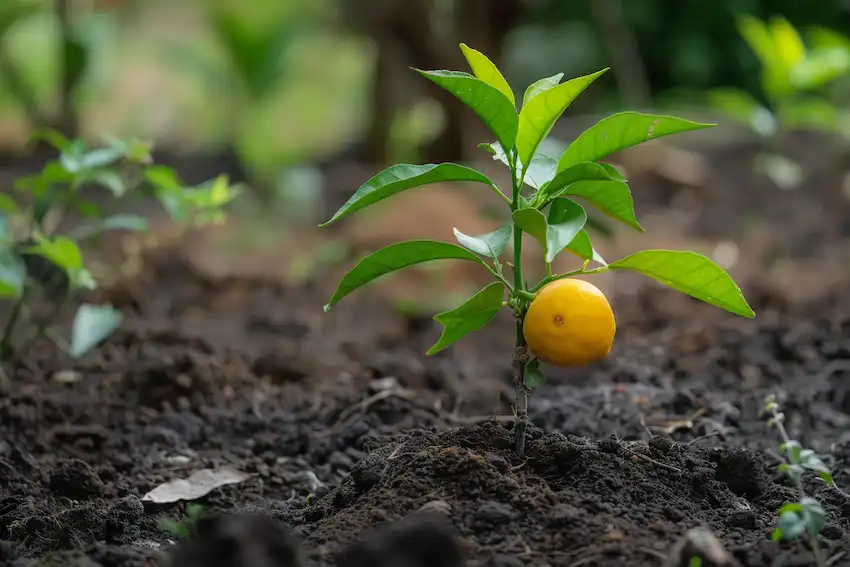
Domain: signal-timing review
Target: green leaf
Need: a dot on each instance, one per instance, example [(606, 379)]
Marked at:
[(826, 477), (812, 461), (611, 197), (8, 205), (398, 178), (791, 525), (164, 177), (543, 110), (487, 71), (92, 324), (821, 67), (13, 274), (793, 449), (620, 131), (533, 376), (72, 157), (75, 58), (395, 257), (493, 107), (101, 157), (473, 314), (759, 37), (491, 244), (814, 515), (566, 219), (791, 507), (111, 180), (690, 273), (582, 246), (53, 137), (789, 46), (115, 222), (539, 86), (62, 251), (741, 106), (585, 171), (540, 171)]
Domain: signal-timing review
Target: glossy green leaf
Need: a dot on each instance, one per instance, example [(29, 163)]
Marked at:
[(565, 220), (583, 247), (620, 131), (473, 314), (493, 107), (92, 324), (533, 377), (540, 171), (491, 244), (395, 257), (539, 86), (585, 171), (398, 178), (611, 197), (487, 71), (13, 274), (689, 273), (543, 110)]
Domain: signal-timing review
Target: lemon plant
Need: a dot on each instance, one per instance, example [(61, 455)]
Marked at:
[(563, 324), (41, 260)]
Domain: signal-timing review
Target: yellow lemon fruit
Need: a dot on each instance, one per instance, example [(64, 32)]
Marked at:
[(569, 323)]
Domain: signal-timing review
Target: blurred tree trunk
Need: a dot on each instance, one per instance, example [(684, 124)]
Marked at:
[(415, 33)]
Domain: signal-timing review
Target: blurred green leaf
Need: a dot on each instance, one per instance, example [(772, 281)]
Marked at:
[(491, 244), (543, 110), (398, 178), (8, 205), (13, 274), (821, 67), (493, 107), (789, 46), (115, 222), (473, 314), (93, 324), (814, 515), (395, 257), (690, 273), (741, 106), (75, 57), (620, 131), (533, 377), (487, 71)]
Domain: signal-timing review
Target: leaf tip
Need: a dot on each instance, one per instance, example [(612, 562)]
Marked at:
[(326, 307)]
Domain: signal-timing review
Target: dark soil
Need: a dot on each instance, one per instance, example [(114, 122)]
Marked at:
[(344, 427)]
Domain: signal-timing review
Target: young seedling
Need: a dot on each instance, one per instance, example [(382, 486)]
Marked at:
[(794, 80), (806, 516), (184, 530), (559, 320), (39, 265)]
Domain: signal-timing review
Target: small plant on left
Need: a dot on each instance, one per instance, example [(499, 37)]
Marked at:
[(41, 262)]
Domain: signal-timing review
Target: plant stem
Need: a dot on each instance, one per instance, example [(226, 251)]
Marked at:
[(6, 350), (521, 394), (778, 420)]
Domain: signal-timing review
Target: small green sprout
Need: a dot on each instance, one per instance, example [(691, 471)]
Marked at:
[(186, 529), (807, 516), (41, 260), (542, 202)]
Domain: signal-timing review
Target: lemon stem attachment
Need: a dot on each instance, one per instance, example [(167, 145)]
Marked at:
[(521, 393)]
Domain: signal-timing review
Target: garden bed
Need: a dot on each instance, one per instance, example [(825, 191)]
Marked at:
[(625, 456)]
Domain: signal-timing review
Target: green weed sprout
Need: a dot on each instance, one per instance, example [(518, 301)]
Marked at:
[(40, 265), (807, 515), (542, 203), (184, 530), (794, 82)]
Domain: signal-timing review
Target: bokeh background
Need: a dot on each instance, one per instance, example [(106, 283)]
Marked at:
[(303, 100)]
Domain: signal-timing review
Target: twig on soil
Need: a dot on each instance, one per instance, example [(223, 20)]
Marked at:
[(651, 460), (645, 428), (834, 559), (476, 419), (364, 404), (701, 437)]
